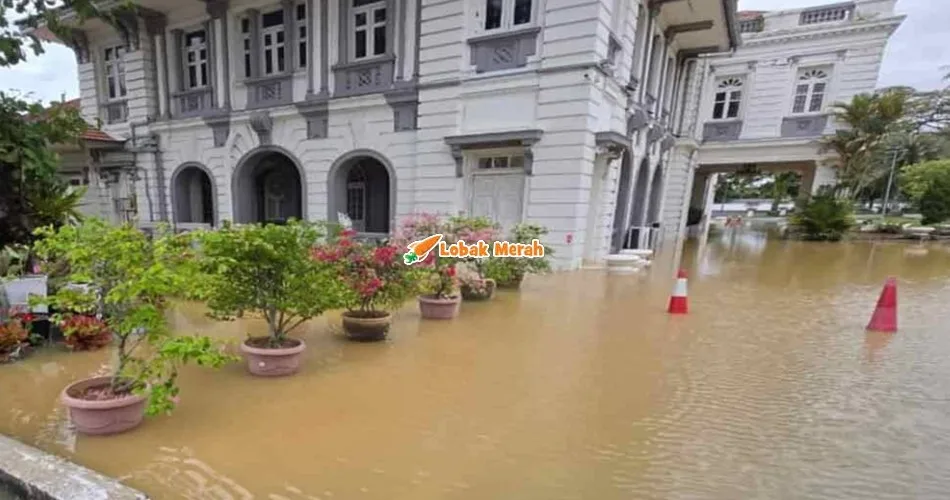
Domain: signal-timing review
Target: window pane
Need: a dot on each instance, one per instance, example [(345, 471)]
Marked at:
[(815, 102), (801, 89), (275, 18), (245, 25), (267, 39), (247, 44), (191, 57), (203, 54), (360, 44), (111, 84), (108, 54), (280, 59), (379, 15), (720, 97), (733, 109), (379, 40), (268, 63), (302, 54), (799, 106), (361, 19), (717, 110), (301, 12), (735, 95), (493, 14), (484, 163), (280, 37), (818, 88), (522, 12), (204, 75), (501, 162), (247, 65), (192, 76), (302, 33)]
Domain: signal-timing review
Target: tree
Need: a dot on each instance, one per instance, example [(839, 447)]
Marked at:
[(869, 119), (919, 177)]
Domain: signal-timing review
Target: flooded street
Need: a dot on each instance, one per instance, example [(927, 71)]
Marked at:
[(579, 387)]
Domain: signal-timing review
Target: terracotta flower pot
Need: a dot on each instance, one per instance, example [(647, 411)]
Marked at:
[(433, 308), (108, 416), (485, 292), (270, 362), (366, 328)]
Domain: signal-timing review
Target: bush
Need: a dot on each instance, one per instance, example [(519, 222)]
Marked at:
[(268, 270), (13, 340), (823, 217), (935, 202), (85, 333), (510, 271)]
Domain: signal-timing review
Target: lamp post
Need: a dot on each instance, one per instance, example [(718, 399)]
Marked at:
[(895, 152)]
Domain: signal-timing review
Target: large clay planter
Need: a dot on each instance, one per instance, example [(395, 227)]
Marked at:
[(265, 362), (110, 416), (366, 329), (471, 294), (433, 308)]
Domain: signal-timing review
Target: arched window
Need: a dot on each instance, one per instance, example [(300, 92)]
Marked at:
[(728, 98), (810, 91)]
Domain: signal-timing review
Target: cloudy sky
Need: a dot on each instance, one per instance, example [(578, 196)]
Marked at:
[(917, 55)]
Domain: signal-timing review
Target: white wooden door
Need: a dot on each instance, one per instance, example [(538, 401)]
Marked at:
[(499, 196)]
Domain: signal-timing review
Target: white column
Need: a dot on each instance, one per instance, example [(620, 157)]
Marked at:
[(220, 52), (158, 43)]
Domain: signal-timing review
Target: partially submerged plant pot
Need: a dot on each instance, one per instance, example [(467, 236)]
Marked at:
[(512, 284), (432, 307), (272, 362), (485, 292), (366, 327), (104, 416)]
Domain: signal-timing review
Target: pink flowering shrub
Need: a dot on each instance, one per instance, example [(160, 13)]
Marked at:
[(442, 281), (375, 277)]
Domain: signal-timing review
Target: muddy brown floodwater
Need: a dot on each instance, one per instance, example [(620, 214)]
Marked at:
[(579, 387)]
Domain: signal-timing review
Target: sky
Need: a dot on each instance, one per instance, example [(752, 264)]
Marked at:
[(918, 55)]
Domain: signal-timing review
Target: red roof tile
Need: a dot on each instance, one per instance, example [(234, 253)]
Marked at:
[(743, 15), (92, 134)]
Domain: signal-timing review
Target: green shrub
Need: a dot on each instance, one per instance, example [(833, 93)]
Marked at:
[(935, 202), (823, 217)]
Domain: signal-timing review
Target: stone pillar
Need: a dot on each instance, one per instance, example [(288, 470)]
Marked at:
[(401, 40), (290, 35), (324, 48), (311, 63)]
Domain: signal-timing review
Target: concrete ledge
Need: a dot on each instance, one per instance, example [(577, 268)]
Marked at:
[(32, 474)]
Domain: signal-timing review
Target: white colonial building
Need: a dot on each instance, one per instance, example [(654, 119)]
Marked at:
[(765, 105), (549, 111)]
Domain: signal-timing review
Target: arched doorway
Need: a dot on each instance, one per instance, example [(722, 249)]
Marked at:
[(640, 193), (656, 195), (361, 188), (268, 187), (193, 195)]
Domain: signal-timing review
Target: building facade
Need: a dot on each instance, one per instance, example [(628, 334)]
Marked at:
[(558, 112), (765, 105)]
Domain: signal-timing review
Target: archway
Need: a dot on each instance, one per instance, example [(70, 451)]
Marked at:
[(193, 194), (656, 195), (640, 193), (268, 186), (360, 185), (622, 208)]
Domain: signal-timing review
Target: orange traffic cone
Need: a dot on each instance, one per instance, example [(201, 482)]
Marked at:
[(678, 301), (884, 318)]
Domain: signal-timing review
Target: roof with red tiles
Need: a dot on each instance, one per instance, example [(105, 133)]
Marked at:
[(91, 134), (744, 15)]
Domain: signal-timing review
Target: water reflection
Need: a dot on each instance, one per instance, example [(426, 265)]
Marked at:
[(580, 386)]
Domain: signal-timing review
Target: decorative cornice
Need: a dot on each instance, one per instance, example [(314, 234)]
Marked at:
[(523, 138), (776, 37), (262, 124), (612, 144)]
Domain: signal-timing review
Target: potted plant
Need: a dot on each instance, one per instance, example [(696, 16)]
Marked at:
[(21, 277), (268, 270), (14, 340), (509, 272), (133, 275), (376, 282), (474, 285), (444, 298)]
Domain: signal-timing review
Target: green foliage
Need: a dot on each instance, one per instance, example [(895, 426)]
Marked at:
[(32, 194), (134, 276), (14, 260), (918, 178), (268, 269), (870, 119), (823, 217), (506, 271), (935, 202)]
